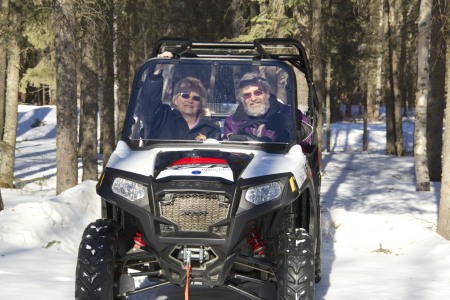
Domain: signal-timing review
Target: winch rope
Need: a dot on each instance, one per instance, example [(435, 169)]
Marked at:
[(188, 271)]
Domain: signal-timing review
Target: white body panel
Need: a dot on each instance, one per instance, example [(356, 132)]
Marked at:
[(142, 162), (269, 164)]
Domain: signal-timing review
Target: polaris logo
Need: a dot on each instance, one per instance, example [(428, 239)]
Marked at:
[(194, 212)]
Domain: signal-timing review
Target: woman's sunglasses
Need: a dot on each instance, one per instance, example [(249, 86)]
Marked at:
[(187, 96), (249, 95)]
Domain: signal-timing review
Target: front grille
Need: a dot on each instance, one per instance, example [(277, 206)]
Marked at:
[(194, 211)]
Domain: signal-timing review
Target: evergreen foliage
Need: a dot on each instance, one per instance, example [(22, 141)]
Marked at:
[(274, 19), (356, 39), (42, 74)]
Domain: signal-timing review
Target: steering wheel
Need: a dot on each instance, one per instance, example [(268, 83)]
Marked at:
[(241, 130)]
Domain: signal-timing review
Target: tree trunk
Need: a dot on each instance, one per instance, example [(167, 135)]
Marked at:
[(371, 58), (277, 12), (108, 128), (66, 96), (3, 17), (399, 77), (370, 86), (11, 109), (379, 87), (317, 34), (443, 226), (365, 115), (328, 25), (2, 89), (123, 60), (394, 50), (389, 102), (328, 101), (238, 19), (423, 87), (381, 46), (388, 95), (436, 97), (302, 20), (88, 100), (2, 206)]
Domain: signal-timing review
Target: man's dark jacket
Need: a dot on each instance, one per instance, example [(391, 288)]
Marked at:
[(275, 127)]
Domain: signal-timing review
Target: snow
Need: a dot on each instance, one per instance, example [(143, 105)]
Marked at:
[(379, 239)]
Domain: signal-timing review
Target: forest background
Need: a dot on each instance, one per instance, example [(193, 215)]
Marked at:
[(82, 55)]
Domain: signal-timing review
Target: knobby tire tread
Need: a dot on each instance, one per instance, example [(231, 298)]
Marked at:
[(296, 274), (96, 262)]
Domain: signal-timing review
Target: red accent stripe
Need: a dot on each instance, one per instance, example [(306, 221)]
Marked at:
[(199, 160)]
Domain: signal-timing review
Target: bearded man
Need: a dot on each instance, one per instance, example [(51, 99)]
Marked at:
[(258, 104)]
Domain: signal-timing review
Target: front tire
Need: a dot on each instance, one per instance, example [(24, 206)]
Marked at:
[(295, 274), (97, 272)]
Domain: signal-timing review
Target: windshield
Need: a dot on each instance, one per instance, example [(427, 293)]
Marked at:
[(198, 100)]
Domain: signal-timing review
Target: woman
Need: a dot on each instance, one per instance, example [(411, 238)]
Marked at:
[(182, 120)]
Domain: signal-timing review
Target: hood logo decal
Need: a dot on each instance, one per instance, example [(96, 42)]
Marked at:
[(199, 166)]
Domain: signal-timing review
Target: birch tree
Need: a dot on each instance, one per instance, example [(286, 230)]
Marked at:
[(423, 87)]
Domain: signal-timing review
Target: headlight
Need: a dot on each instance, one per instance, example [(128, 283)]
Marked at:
[(263, 193), (126, 188)]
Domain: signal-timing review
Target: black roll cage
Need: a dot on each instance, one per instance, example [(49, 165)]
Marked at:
[(284, 49), (269, 48)]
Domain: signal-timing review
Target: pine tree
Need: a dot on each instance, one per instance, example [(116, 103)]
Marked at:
[(395, 48), (436, 96), (88, 92), (2, 206), (66, 92), (443, 226), (108, 103), (318, 61), (124, 16), (12, 99), (3, 42)]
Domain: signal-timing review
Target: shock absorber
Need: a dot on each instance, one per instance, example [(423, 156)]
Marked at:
[(256, 243), (138, 242)]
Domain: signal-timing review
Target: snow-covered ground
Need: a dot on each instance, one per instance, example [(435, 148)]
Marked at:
[(378, 233)]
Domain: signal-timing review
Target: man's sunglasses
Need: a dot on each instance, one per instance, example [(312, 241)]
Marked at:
[(249, 95), (187, 96)]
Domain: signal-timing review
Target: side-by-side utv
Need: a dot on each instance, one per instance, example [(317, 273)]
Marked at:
[(235, 211)]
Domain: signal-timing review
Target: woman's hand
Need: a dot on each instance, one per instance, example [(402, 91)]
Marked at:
[(159, 67)]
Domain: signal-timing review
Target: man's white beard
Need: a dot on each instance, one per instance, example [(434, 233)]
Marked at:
[(256, 111)]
